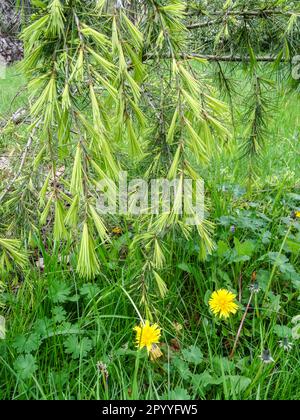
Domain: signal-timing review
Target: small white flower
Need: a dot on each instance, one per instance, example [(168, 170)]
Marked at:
[(254, 288), (285, 344), (266, 357)]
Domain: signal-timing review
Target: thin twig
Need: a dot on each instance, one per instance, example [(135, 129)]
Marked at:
[(232, 58), (241, 327), (218, 58)]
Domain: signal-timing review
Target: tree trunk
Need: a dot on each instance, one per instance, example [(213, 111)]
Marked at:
[(11, 48)]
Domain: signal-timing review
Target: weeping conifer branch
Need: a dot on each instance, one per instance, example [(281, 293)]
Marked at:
[(127, 85), (257, 118)]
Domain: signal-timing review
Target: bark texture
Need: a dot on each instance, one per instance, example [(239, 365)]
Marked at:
[(11, 48)]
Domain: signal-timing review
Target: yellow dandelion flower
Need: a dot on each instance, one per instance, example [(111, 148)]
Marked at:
[(222, 303), (147, 335), (297, 214)]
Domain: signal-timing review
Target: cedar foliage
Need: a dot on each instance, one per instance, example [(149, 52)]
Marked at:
[(119, 85)]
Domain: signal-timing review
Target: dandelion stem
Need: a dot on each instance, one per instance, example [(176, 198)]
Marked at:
[(241, 327)]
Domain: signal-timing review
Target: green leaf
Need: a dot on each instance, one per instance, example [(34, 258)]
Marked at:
[(263, 277), (182, 368), (282, 331), (245, 248), (19, 343), (277, 258), (135, 34), (24, 344), (293, 246), (266, 238), (43, 326), (38, 3), (238, 384), (59, 314), (179, 394), (222, 364), (273, 306), (59, 291), (78, 348), (89, 290), (25, 366), (33, 342), (193, 355), (185, 267), (204, 379), (222, 248)]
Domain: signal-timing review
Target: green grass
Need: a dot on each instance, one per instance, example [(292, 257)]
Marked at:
[(59, 326), (12, 91)]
